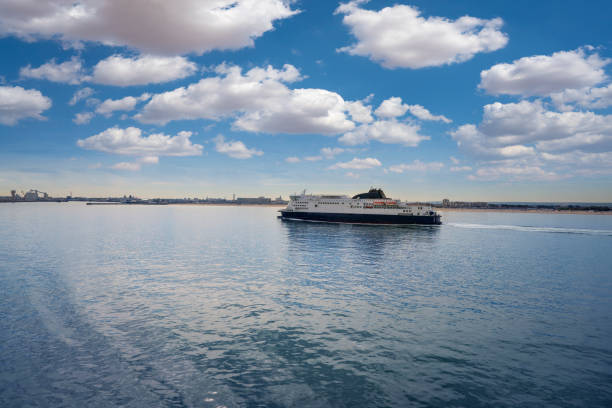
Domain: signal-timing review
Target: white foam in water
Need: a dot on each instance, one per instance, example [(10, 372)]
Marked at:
[(555, 230)]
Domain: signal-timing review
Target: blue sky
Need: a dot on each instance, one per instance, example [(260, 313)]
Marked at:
[(496, 101)]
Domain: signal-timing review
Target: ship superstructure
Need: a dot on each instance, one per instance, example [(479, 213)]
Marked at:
[(372, 207)]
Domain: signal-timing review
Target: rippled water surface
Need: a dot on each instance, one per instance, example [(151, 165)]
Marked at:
[(206, 306)]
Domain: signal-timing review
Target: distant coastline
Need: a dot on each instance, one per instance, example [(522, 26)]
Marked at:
[(445, 205), (526, 210)]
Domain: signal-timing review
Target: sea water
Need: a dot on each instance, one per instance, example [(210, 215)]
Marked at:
[(210, 306)]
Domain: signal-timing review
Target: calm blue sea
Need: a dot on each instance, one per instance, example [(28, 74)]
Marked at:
[(202, 306)]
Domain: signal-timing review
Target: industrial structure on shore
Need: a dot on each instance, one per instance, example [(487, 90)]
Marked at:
[(40, 196)]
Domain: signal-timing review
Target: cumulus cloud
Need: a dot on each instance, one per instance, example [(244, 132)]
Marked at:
[(128, 103), (393, 108), (83, 118), (545, 74), (145, 69), (416, 165), (399, 37), (470, 139), (130, 141), (359, 112), (385, 131), (292, 159), (80, 94), (259, 100), (17, 103), (69, 72), (518, 129), (358, 164), (423, 114), (592, 98), (115, 70), (177, 27), (529, 122), (300, 111), (527, 135), (235, 149)]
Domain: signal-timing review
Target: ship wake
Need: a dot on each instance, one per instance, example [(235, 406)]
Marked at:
[(553, 230)]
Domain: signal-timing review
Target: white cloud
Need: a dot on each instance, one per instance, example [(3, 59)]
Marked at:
[(416, 165), (79, 95), (583, 163), (592, 98), (543, 74), (83, 118), (313, 158), (460, 168), (292, 159), (69, 72), (359, 112), (391, 108), (358, 164), (177, 27), (126, 166), (130, 141), (17, 103), (145, 69), (394, 108), (298, 112), (399, 37), (235, 149), (454, 160), (115, 70), (526, 135), (476, 143), (423, 114), (331, 152), (385, 131), (124, 104), (507, 129), (258, 99)]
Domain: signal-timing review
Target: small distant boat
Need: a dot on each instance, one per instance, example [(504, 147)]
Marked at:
[(372, 207)]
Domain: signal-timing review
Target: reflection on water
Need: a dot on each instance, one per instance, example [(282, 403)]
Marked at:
[(229, 306), (355, 244)]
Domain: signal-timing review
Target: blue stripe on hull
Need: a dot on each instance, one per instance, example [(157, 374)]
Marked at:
[(363, 218)]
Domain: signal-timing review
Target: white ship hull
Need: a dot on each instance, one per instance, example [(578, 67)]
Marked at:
[(379, 210)]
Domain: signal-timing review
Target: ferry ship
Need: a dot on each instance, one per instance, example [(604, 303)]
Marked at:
[(372, 207)]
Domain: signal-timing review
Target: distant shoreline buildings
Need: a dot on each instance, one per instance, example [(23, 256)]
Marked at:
[(481, 205), (34, 195)]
